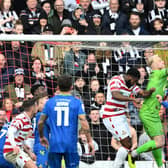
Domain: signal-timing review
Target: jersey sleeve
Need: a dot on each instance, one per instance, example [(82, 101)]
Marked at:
[(115, 85), (17, 123), (81, 109), (135, 90)]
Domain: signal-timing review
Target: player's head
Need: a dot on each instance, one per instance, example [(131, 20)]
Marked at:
[(132, 77), (42, 98), (65, 83), (30, 106), (156, 63), (2, 118), (37, 88)]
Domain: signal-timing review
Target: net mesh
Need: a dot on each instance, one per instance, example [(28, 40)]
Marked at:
[(91, 64)]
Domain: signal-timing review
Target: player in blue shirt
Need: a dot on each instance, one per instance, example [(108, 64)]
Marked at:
[(63, 111), (3, 130), (40, 151)]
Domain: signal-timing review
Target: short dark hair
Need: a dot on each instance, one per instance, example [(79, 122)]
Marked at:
[(65, 82), (134, 73), (35, 87), (29, 103), (134, 13)]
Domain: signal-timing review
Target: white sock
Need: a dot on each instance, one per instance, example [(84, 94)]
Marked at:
[(134, 153)]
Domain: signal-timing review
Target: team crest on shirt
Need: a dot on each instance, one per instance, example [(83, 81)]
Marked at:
[(42, 152), (123, 132)]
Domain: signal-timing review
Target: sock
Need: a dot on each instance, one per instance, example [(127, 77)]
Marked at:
[(120, 157), (157, 154), (150, 145)]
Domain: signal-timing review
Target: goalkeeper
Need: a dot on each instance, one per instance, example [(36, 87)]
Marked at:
[(149, 113)]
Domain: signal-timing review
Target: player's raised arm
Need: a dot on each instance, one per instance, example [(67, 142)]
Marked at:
[(86, 129), (146, 93), (118, 96)]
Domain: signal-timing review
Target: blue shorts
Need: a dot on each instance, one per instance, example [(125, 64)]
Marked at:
[(4, 163), (42, 156), (71, 160)]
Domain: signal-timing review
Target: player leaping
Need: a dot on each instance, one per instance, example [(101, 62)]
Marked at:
[(149, 113), (114, 113)]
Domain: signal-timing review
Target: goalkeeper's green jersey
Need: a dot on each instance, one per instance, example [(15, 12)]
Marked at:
[(151, 106)]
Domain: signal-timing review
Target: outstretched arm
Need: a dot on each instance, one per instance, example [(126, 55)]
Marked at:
[(146, 93)]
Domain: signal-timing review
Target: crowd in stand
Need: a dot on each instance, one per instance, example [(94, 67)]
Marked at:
[(26, 66), (134, 17)]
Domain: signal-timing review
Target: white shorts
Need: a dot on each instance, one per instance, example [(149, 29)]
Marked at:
[(118, 126), (19, 159)]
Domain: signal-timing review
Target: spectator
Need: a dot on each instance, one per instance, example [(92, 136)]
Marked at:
[(80, 88), (83, 146), (139, 8), (78, 20), (40, 76), (91, 68), (18, 27), (67, 28), (6, 74), (128, 5), (17, 55), (37, 73), (100, 135), (158, 27), (159, 11), (113, 19), (95, 27), (50, 54), (127, 56), (106, 61), (8, 17), (90, 94), (8, 106), (47, 8), (143, 77), (42, 23), (121, 151), (74, 60), (88, 10), (18, 89), (99, 100), (30, 17), (135, 26), (60, 13)]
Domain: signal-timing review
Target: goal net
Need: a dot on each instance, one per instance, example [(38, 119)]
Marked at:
[(92, 62)]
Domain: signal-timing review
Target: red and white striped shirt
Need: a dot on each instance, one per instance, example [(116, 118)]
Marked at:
[(115, 107), (24, 129)]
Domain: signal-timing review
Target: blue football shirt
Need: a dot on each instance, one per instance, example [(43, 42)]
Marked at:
[(3, 162), (46, 131), (62, 112)]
